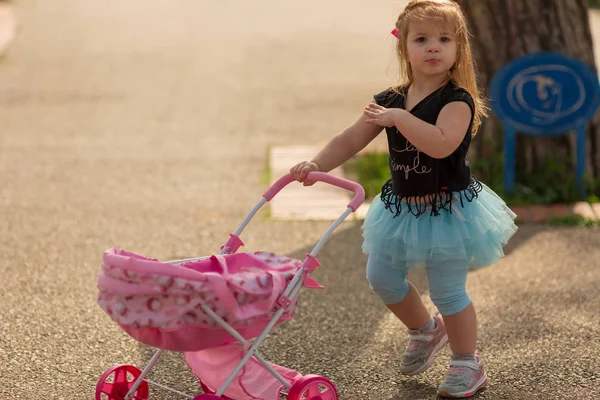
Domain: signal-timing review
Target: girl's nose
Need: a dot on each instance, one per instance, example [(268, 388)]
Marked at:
[(434, 48)]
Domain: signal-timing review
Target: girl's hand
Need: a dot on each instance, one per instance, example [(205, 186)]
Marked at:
[(300, 170), (381, 116)]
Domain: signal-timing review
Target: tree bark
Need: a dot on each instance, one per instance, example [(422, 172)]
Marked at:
[(503, 30)]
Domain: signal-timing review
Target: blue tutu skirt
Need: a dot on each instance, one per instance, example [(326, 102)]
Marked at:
[(474, 232)]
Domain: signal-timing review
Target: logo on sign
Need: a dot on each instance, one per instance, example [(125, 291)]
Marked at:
[(546, 93)]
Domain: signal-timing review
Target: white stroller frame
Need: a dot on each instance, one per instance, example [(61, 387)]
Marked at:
[(289, 295)]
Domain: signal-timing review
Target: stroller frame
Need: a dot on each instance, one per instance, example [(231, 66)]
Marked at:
[(289, 295)]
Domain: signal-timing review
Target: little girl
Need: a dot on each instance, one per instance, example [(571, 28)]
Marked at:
[(432, 212)]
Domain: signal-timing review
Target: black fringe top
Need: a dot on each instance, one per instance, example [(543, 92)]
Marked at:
[(414, 174)]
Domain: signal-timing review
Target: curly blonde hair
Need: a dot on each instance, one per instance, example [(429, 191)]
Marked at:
[(463, 71)]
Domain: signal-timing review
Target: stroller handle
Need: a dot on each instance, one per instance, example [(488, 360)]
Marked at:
[(359, 192)]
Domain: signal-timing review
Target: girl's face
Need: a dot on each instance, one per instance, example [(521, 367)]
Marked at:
[(431, 48)]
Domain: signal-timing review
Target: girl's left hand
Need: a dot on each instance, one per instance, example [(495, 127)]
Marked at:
[(381, 116)]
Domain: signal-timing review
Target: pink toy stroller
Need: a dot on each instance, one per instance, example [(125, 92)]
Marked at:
[(210, 308)]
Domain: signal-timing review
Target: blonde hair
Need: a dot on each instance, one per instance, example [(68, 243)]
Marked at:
[(463, 70)]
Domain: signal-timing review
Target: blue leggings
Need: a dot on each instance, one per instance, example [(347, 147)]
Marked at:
[(447, 282)]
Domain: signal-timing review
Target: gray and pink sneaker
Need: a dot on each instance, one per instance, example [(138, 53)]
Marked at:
[(465, 379), (423, 347)]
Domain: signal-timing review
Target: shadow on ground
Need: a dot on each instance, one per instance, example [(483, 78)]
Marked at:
[(332, 327)]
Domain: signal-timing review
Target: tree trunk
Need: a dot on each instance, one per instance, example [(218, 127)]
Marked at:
[(506, 29)]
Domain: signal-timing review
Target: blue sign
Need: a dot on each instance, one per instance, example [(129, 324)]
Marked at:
[(544, 94)]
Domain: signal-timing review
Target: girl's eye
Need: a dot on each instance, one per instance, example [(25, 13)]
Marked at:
[(420, 40), (445, 39)]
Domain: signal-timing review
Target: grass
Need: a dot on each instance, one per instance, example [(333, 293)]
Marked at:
[(370, 170), (575, 221), (594, 3)]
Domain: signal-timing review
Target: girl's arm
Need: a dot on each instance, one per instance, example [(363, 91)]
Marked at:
[(437, 141), (346, 144), (339, 150)]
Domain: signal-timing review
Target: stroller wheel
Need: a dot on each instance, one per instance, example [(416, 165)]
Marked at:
[(115, 383), (312, 387)]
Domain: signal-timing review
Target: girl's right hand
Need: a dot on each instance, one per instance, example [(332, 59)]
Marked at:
[(300, 170)]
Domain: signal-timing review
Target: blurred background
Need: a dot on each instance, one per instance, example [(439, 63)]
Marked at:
[(147, 124)]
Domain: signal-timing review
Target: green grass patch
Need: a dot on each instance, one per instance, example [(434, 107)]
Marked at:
[(593, 199), (371, 171), (594, 3), (574, 221)]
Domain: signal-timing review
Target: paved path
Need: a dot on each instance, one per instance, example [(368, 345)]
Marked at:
[(145, 125)]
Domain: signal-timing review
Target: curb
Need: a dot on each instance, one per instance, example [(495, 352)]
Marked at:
[(539, 214), (323, 202)]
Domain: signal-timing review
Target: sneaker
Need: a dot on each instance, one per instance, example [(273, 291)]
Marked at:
[(465, 379), (423, 347)]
